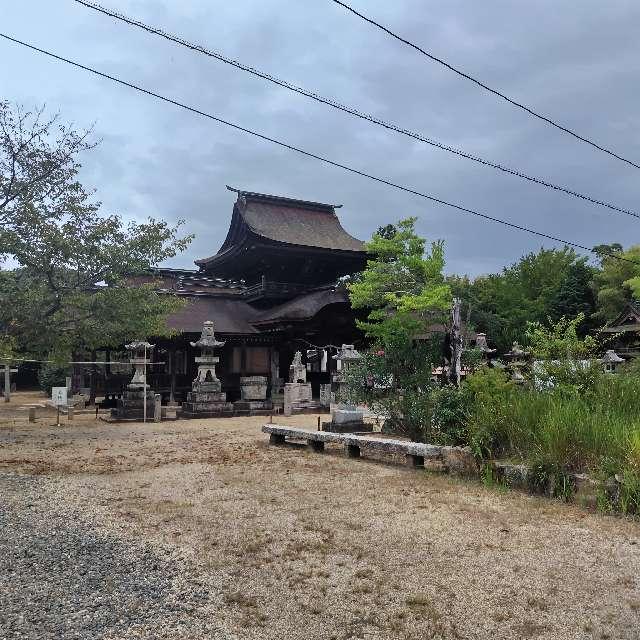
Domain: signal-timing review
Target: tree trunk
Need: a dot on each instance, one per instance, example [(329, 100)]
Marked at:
[(456, 344)]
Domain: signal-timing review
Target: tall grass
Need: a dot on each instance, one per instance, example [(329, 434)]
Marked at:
[(584, 423)]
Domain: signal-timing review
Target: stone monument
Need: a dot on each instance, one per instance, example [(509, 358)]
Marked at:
[(297, 392), (297, 370), (253, 394), (132, 404), (206, 398)]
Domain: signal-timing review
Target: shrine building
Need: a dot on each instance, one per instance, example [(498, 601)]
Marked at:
[(273, 288)]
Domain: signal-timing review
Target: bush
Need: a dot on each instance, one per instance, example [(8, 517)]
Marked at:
[(52, 375), (589, 426), (449, 416)]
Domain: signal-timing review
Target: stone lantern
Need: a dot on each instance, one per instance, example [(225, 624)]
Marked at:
[(206, 380), (610, 361), (345, 417), (206, 397), (138, 393), (518, 359), (483, 346)]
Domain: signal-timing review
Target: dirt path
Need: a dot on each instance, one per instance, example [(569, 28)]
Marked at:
[(284, 543)]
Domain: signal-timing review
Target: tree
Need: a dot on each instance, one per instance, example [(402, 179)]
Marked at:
[(404, 290), (548, 284), (617, 282), (38, 165), (401, 285), (73, 289)]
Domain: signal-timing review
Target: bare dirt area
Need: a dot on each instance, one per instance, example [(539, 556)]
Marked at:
[(200, 529)]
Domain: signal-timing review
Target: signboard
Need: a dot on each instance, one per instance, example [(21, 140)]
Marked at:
[(59, 396)]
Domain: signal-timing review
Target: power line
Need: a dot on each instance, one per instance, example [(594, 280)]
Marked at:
[(495, 92), (309, 154), (346, 109)]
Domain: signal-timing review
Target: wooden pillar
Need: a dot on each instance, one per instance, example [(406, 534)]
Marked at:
[(171, 354)]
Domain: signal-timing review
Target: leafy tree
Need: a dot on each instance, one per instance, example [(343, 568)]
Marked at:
[(401, 284), (559, 340), (73, 289), (549, 284), (404, 290), (617, 283), (38, 165)]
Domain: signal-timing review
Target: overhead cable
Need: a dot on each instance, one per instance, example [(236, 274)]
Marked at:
[(309, 154), (486, 87), (350, 110)]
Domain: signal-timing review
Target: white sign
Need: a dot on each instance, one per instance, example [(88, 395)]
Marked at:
[(59, 396)]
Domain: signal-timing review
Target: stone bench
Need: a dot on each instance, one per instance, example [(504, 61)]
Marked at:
[(453, 458)]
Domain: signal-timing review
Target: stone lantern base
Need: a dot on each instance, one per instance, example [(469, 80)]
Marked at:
[(131, 405), (206, 402), (253, 392)]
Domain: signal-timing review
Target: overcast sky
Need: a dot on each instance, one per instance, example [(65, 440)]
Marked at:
[(576, 61)]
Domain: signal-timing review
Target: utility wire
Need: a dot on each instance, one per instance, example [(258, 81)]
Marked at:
[(350, 110), (495, 92), (309, 154)]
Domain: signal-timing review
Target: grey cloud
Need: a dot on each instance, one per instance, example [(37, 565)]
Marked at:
[(574, 61)]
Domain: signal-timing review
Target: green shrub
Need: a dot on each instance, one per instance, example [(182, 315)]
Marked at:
[(52, 375), (450, 413)]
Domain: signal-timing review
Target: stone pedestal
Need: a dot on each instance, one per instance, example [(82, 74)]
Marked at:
[(346, 419), (253, 388), (131, 405), (298, 397), (206, 401), (253, 393)]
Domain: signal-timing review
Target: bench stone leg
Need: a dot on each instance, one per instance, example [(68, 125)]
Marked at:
[(276, 438), (352, 450), (415, 461), (316, 446)]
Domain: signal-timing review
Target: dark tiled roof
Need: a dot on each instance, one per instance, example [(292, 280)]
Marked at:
[(229, 316), (298, 225), (193, 282), (234, 316), (303, 307)]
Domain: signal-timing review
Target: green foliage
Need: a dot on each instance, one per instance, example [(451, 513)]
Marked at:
[(559, 433), (7, 348), (559, 340), (617, 283), (451, 407), (396, 382), (401, 283), (549, 284), (38, 166), (52, 375), (72, 290), (403, 289)]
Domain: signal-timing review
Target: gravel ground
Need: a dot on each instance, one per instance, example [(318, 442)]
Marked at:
[(199, 529), (59, 579)]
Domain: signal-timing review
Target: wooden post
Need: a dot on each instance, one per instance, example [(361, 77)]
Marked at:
[(456, 343), (7, 381)]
